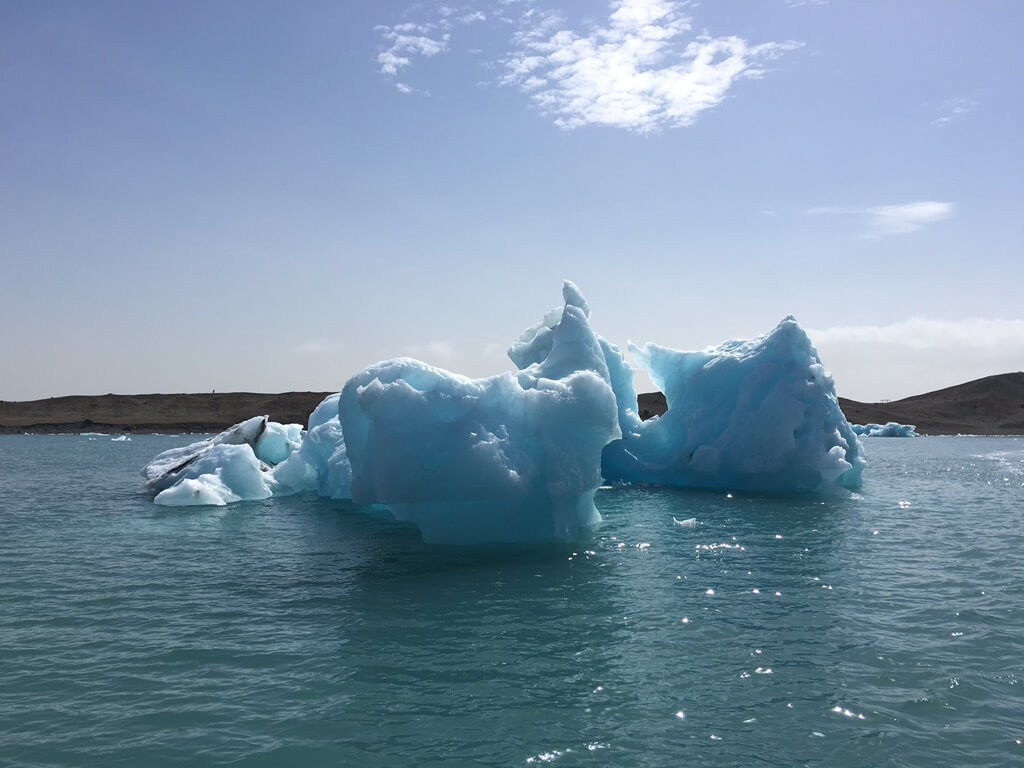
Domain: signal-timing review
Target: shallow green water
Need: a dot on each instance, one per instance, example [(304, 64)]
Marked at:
[(883, 629)]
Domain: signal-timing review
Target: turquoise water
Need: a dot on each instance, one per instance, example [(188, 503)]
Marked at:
[(883, 629)]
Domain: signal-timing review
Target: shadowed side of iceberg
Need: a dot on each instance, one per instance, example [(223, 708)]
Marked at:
[(758, 415)]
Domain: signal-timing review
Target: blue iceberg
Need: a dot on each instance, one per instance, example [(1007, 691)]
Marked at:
[(510, 458), (889, 429), (517, 457), (758, 415)]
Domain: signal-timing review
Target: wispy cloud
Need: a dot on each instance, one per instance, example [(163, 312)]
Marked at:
[(954, 110), (403, 43), (406, 41), (635, 71), (884, 220), (799, 3), (921, 333)]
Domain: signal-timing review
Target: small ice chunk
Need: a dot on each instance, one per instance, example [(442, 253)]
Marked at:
[(223, 474), (889, 429)]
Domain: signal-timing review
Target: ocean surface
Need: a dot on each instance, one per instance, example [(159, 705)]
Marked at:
[(883, 629)]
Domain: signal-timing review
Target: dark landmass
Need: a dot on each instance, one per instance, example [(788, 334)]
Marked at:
[(208, 412), (993, 405)]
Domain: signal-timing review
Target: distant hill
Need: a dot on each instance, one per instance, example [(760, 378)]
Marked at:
[(993, 405), (206, 412)]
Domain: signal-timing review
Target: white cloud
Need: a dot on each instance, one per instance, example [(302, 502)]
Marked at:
[(883, 220), (799, 3), (921, 333), (954, 110), (405, 41), (635, 72)]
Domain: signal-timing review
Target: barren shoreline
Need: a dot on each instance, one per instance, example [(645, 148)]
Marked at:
[(993, 405)]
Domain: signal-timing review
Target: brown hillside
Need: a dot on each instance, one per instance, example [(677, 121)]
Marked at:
[(993, 405), (154, 413)]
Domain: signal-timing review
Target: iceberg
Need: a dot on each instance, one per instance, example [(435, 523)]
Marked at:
[(168, 467), (518, 457), (758, 416), (889, 429), (509, 458), (224, 474), (232, 466)]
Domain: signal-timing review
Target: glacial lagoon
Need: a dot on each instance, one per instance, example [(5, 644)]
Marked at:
[(885, 627)]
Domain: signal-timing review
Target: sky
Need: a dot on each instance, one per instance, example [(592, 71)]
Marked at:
[(267, 196)]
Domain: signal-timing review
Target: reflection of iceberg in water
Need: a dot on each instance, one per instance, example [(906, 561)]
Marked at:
[(518, 456)]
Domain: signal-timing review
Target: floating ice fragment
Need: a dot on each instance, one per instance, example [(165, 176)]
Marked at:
[(689, 522), (224, 474), (170, 466), (890, 429)]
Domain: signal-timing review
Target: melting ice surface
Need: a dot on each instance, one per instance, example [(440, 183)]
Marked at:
[(889, 429), (518, 457)]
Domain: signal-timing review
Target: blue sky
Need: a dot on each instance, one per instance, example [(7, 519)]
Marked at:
[(246, 196)]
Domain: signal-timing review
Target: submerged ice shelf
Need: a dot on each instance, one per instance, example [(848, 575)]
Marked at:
[(517, 457)]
